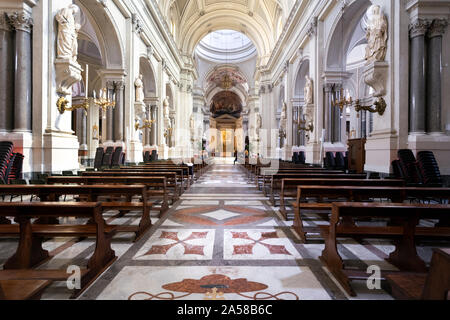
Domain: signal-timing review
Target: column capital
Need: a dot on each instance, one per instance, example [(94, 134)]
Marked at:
[(20, 21), (418, 27), (119, 85), (437, 28), (4, 23), (110, 85)]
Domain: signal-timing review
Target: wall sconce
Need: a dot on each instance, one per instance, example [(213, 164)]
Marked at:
[(62, 104), (302, 123), (378, 107), (103, 102), (147, 125)]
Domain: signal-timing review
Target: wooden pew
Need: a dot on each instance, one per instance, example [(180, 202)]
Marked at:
[(405, 255), (182, 173), (181, 177), (93, 193), (289, 186), (30, 253), (22, 289), (276, 180), (162, 186), (360, 194), (434, 285), (265, 174)]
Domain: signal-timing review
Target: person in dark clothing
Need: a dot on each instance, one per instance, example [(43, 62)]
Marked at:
[(235, 156)]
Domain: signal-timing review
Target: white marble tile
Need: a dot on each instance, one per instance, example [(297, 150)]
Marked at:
[(288, 283), (178, 245), (269, 244)]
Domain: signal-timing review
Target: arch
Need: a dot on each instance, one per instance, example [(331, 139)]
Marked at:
[(335, 58), (111, 48), (149, 79), (170, 94), (300, 82)]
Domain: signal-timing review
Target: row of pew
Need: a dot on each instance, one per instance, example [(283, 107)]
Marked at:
[(154, 186), (345, 199)]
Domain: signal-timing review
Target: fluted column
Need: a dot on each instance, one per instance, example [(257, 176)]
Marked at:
[(417, 99), (434, 75), (6, 75), (336, 115), (118, 111), (22, 23), (110, 114)]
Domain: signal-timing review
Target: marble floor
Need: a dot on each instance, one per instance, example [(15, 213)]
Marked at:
[(221, 240)]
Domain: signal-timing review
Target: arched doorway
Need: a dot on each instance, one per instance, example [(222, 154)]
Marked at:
[(227, 125)]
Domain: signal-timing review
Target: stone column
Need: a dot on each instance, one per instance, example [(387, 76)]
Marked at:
[(6, 75), (81, 129), (110, 114), (336, 114), (434, 75), (153, 116), (118, 111), (295, 117), (22, 23), (417, 85), (328, 96)]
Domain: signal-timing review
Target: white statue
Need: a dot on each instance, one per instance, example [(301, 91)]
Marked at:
[(191, 125), (376, 34), (308, 90), (258, 122), (139, 84), (166, 108), (283, 119), (67, 43)]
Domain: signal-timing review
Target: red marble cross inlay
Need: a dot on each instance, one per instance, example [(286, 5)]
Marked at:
[(248, 248), (188, 248)]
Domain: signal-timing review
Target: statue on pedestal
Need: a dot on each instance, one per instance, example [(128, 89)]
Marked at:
[(139, 84), (308, 91), (376, 34), (67, 41)]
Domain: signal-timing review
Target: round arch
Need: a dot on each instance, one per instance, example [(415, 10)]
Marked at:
[(111, 48), (335, 57), (149, 79)]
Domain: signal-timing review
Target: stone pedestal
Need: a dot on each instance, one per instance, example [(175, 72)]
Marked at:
[(163, 152), (60, 152), (67, 73), (312, 153), (135, 151), (437, 143), (375, 75)]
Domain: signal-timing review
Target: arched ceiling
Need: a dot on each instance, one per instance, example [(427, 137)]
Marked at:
[(257, 19)]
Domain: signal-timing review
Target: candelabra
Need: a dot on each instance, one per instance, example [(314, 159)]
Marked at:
[(343, 101)]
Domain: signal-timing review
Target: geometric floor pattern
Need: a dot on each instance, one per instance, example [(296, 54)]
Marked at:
[(221, 240)]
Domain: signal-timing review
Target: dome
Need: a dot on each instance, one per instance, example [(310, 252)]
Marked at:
[(226, 46)]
